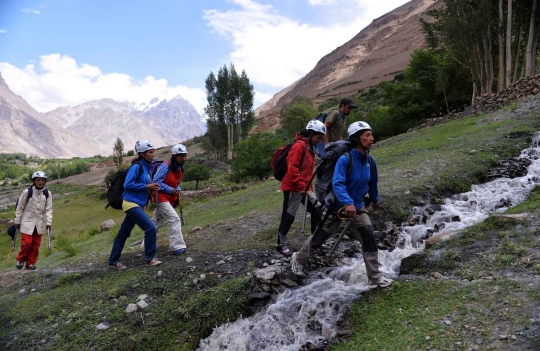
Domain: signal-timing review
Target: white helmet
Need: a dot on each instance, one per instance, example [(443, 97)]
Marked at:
[(316, 126), (178, 149), (143, 146), (356, 127), (39, 174)]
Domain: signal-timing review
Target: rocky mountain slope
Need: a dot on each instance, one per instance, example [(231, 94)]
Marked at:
[(375, 54), (23, 129), (163, 122)]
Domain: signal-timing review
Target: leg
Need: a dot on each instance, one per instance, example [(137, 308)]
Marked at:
[(291, 202), (145, 223), (176, 240), (316, 241), (159, 221), (121, 237), (26, 246), (314, 207), (363, 232), (32, 257)]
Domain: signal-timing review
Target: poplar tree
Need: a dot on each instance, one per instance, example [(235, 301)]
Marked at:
[(118, 152)]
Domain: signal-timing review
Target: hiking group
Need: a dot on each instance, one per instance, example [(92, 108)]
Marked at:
[(346, 173)]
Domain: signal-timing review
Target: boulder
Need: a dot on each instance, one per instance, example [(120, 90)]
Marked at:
[(107, 225), (441, 237), (515, 218)]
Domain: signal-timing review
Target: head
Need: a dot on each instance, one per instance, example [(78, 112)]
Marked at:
[(39, 179), (360, 135), (179, 153), (145, 150), (315, 131), (346, 106)]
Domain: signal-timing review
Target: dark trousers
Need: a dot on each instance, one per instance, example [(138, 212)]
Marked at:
[(291, 203)]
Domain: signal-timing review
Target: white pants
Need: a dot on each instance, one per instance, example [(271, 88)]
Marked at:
[(164, 214)]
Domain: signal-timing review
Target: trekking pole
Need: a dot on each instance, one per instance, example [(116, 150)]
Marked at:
[(303, 230), (181, 212), (15, 238), (49, 238), (349, 221)]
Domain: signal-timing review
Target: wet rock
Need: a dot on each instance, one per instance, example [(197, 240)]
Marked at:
[(289, 283), (514, 218), (433, 208), (455, 219), (344, 332), (438, 227), (411, 263), (103, 326), (266, 288), (441, 237), (131, 308), (107, 225), (261, 295), (265, 274), (414, 221), (504, 203)]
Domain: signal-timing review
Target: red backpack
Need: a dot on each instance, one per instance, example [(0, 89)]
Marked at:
[(279, 161)]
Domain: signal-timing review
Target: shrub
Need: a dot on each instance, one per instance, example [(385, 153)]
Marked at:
[(254, 154), (66, 245)]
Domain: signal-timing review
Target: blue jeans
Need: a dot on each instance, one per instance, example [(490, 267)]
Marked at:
[(320, 148), (134, 216)]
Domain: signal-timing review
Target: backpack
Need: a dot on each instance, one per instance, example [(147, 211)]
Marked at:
[(279, 161), (325, 171), (153, 170), (322, 117), (30, 193), (115, 187)]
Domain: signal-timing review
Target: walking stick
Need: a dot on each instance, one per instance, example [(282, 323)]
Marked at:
[(48, 238), (303, 230), (349, 221), (15, 238)]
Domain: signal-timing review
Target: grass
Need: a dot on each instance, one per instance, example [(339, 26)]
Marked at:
[(420, 315)]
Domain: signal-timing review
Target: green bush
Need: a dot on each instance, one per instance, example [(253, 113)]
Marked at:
[(197, 173), (254, 154), (66, 245), (296, 114), (93, 231)]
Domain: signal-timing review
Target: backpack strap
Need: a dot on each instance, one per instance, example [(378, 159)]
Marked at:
[(141, 170), (29, 195), (350, 164)]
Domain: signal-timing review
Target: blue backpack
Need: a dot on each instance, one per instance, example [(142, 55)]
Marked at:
[(30, 193)]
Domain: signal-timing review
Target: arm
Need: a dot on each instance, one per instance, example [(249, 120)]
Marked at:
[(374, 184), (20, 207), (339, 181), (159, 178), (294, 162), (330, 120), (131, 182), (48, 211)]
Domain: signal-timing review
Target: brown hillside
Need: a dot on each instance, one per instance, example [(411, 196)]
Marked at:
[(375, 54)]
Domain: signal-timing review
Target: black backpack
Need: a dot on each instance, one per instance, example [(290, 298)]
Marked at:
[(279, 161), (30, 193), (325, 171), (115, 187)]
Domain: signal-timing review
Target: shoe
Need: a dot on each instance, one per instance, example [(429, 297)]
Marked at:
[(117, 266), (31, 267), (296, 267), (178, 252), (153, 262), (19, 264), (382, 282), (284, 250)]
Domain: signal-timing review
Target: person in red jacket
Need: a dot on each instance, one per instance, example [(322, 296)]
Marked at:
[(169, 175), (300, 163)]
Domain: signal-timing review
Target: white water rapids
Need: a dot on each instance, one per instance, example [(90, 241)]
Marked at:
[(314, 311)]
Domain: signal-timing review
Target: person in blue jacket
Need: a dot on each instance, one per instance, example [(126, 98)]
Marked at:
[(349, 189), (136, 189)]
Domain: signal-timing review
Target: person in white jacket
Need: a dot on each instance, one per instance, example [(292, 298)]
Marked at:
[(33, 215)]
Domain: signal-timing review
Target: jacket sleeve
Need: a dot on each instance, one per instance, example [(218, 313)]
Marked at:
[(294, 162), (48, 209), (131, 182), (339, 181), (160, 176), (20, 206), (373, 182)]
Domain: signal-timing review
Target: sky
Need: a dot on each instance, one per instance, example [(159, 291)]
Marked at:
[(58, 53)]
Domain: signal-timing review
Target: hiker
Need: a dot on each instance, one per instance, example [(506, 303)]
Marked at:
[(136, 189), (335, 124), (168, 176), (33, 215), (300, 162), (349, 188)]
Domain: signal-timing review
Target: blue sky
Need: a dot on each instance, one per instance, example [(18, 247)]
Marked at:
[(65, 52)]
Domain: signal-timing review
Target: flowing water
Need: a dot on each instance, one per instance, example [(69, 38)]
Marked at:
[(314, 312)]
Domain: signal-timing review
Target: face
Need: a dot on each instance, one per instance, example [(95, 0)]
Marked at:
[(148, 155), (40, 182), (346, 109), (180, 158), (316, 138), (366, 140)]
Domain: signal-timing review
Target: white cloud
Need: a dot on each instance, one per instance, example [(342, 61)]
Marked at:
[(3, 31), (261, 98), (276, 50), (31, 10), (321, 2), (61, 81)]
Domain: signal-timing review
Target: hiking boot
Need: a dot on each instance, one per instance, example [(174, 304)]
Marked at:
[(153, 262), (177, 252), (19, 264), (382, 282), (31, 267), (284, 250), (117, 266), (296, 267)]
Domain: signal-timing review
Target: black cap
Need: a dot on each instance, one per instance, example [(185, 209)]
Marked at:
[(348, 102)]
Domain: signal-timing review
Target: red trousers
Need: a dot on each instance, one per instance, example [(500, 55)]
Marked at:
[(29, 248)]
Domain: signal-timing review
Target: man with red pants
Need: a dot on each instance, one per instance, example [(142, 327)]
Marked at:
[(32, 216)]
